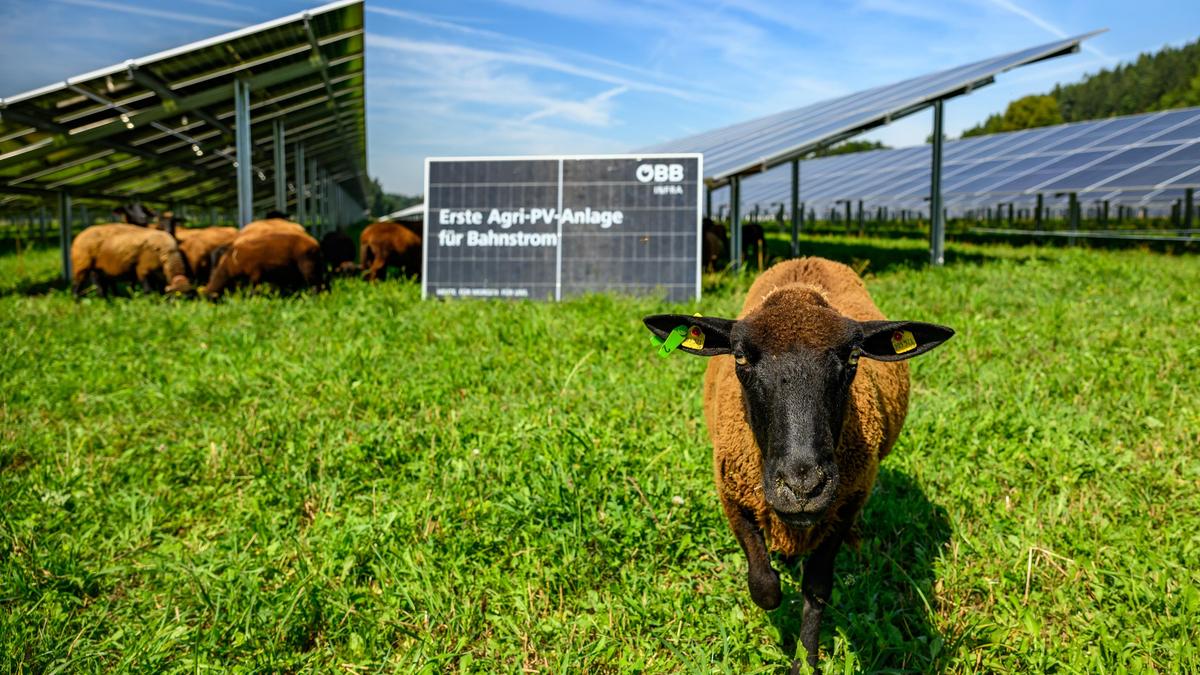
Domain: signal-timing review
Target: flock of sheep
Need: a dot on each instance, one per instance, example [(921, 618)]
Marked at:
[(156, 252)]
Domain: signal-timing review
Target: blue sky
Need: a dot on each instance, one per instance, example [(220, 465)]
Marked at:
[(582, 76)]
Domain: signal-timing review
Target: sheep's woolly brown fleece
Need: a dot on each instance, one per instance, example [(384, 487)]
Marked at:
[(119, 250), (793, 303)]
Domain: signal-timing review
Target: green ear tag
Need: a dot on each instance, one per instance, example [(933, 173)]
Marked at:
[(674, 339)]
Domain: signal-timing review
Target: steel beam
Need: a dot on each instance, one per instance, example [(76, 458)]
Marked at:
[(1189, 206), (145, 116), (937, 223), (241, 100)]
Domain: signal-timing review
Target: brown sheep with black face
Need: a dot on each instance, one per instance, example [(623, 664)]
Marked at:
[(287, 260), (798, 424), (197, 246), (271, 225), (387, 244), (105, 254)]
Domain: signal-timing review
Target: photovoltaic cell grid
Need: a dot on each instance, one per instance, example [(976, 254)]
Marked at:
[(768, 141), (655, 249), (161, 127), (1137, 160)]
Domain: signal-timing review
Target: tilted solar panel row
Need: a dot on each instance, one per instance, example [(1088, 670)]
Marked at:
[(1137, 160), (768, 141)]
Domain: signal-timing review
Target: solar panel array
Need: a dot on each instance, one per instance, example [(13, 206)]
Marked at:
[(1140, 160), (767, 141), (161, 128)]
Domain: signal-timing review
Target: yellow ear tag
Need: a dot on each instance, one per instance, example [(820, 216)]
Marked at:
[(695, 338), (903, 341)]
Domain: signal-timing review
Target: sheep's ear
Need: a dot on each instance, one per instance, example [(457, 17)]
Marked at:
[(702, 335), (899, 340)]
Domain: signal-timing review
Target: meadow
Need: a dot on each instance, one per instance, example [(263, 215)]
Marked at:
[(361, 481)]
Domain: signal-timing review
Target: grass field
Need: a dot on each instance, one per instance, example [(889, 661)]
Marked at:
[(361, 481)]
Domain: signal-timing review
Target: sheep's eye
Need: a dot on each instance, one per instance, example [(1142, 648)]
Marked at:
[(740, 359)]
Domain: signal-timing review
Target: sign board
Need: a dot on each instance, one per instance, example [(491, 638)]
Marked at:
[(558, 227)]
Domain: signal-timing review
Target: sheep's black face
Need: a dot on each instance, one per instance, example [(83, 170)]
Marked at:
[(796, 393), (796, 358)]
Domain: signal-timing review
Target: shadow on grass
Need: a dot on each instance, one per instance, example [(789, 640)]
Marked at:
[(31, 288), (883, 598), (877, 258)]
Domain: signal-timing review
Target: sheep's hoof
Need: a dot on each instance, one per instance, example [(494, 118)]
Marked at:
[(764, 589)]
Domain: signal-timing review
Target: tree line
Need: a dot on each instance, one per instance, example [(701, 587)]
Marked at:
[(1169, 78)]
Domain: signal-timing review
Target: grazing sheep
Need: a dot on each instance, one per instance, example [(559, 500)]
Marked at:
[(104, 254), (386, 244), (715, 242), (338, 249), (752, 237), (134, 214), (287, 260), (272, 225), (798, 425), (197, 246)]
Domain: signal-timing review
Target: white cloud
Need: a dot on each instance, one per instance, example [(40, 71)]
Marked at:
[(155, 13)]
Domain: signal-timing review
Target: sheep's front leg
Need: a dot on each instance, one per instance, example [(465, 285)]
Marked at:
[(763, 580), (817, 588), (817, 585)]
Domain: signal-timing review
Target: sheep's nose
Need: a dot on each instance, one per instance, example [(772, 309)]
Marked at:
[(803, 482)]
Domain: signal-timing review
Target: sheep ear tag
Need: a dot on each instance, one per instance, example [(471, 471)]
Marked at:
[(695, 338), (903, 341), (672, 341)]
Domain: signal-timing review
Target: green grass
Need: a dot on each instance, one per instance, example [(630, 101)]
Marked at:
[(361, 481)]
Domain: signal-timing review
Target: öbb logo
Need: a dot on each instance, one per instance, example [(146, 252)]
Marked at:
[(660, 173)]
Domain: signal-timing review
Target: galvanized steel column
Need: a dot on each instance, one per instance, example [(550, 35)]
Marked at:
[(735, 223), (280, 169), (795, 208), (301, 213), (937, 222), (241, 105), (64, 233), (313, 210)]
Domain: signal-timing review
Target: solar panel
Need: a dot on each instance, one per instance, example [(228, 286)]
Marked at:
[(1139, 159), (161, 128), (762, 143)]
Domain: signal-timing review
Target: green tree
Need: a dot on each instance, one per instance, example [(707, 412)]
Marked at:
[(1027, 112), (849, 147)]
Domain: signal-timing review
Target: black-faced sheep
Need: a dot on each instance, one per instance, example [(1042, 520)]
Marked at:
[(386, 244), (714, 245), (104, 254), (287, 260), (798, 425), (338, 249)]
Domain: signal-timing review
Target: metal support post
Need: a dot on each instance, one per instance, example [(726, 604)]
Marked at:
[(64, 233), (280, 168), (298, 155), (937, 224), (1189, 207), (796, 207), (241, 105), (1073, 215), (735, 223), (708, 201)]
